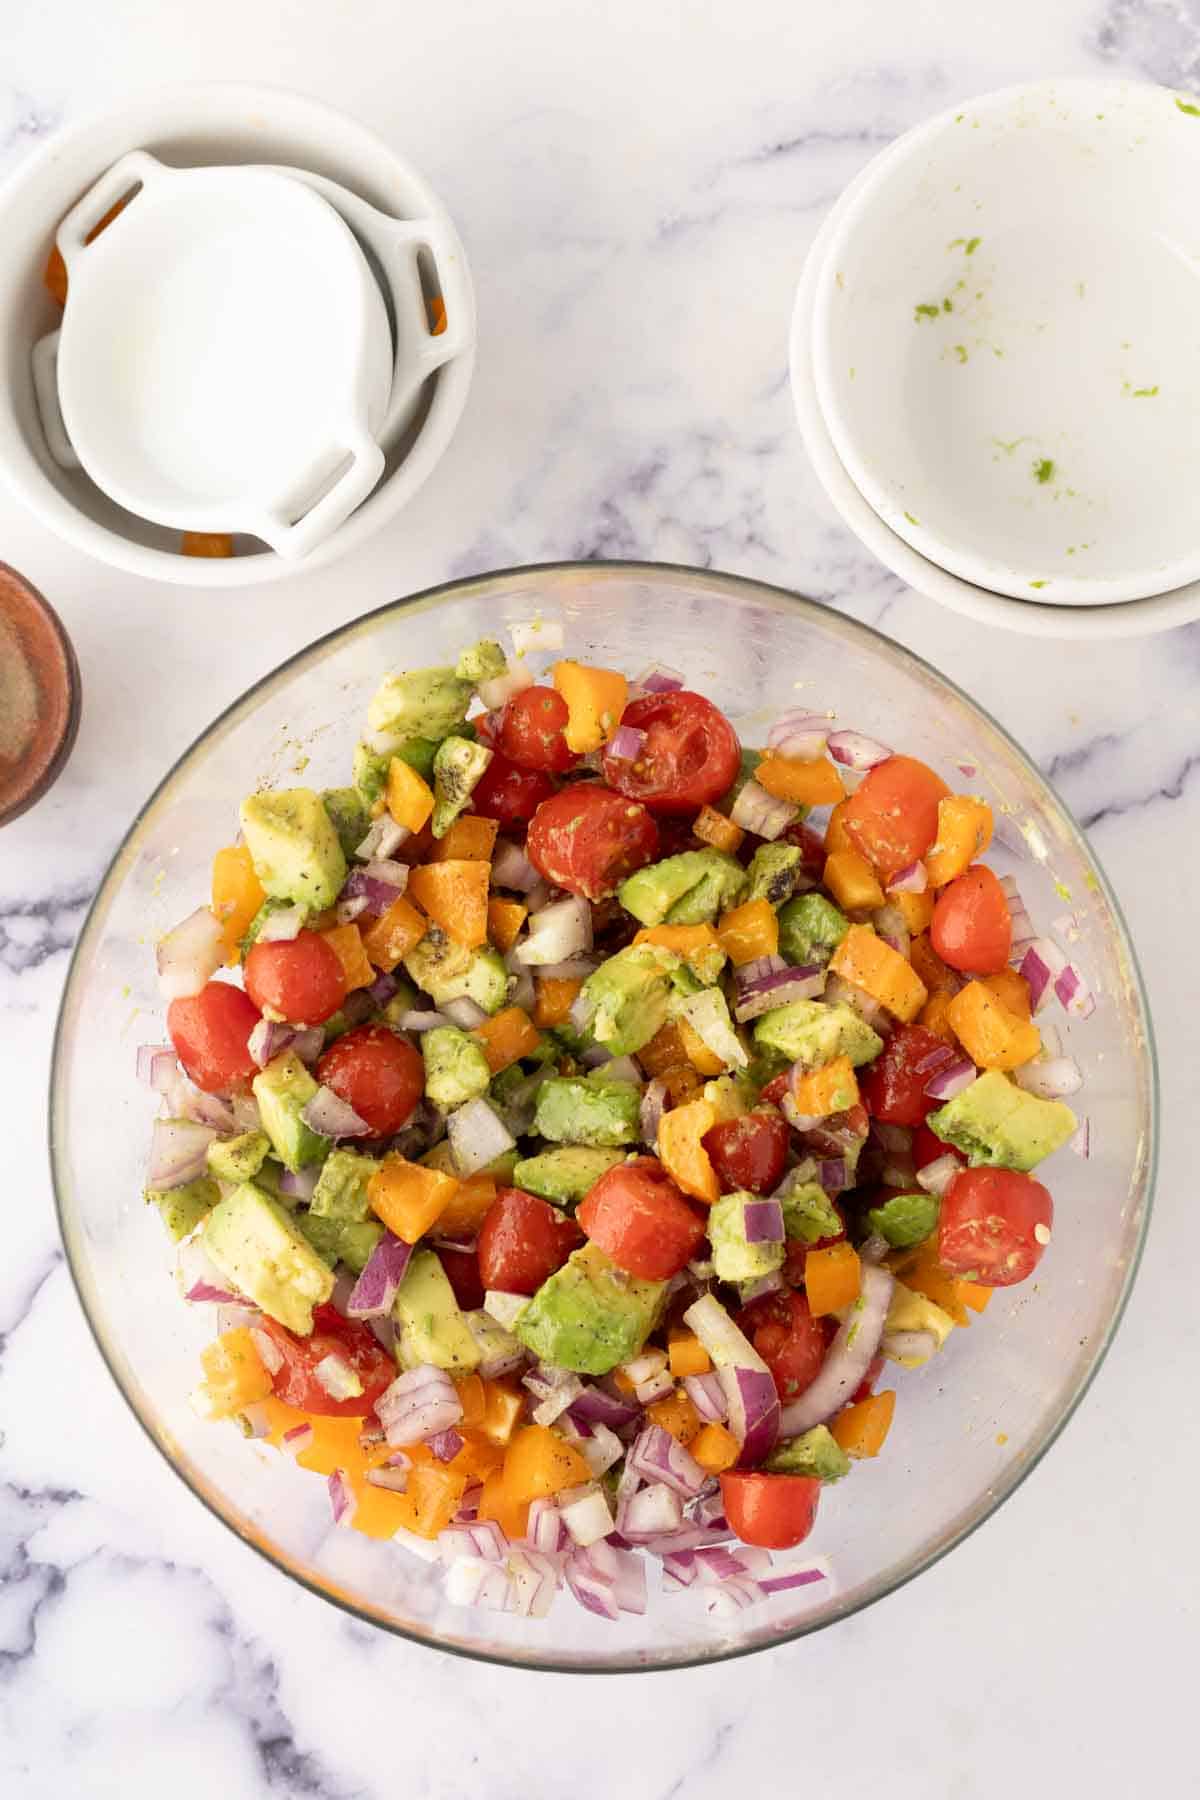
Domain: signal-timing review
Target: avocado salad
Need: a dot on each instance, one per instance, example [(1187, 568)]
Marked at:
[(588, 1109)]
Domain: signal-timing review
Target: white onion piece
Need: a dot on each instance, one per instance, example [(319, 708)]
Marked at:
[(512, 869), (761, 813), (500, 689), (1051, 1079), (283, 926), (856, 751), (849, 1357), (382, 840), (464, 1013), (558, 931), (190, 955), (936, 1176), (585, 1514), (799, 736), (477, 1137), (908, 1346), (536, 634)]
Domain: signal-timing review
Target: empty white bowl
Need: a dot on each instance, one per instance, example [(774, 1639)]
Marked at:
[(1004, 341)]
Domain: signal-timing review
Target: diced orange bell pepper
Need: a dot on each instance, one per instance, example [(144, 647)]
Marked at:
[(389, 940), (468, 1206), (852, 881), (1012, 991), (455, 895), (806, 783), (539, 1463), (715, 1449), (501, 1409), (595, 701), (692, 942), (512, 1516), (682, 1152), (863, 958), (991, 1035), (478, 1457), (409, 1197), (934, 1015), (921, 1271), (431, 1499), (469, 839), (748, 932), (409, 798), (206, 543), (347, 945), (554, 996), (712, 827), (964, 832), (664, 1051), (837, 838), (682, 1082), (702, 1059), (436, 309), (686, 1353), (234, 1375), (237, 894), (860, 1429), (677, 1415), (915, 909), (930, 967), (507, 1037), (830, 1089), (832, 1278), (975, 1295), (505, 919), (472, 1397)]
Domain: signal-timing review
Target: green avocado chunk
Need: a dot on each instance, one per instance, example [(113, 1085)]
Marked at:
[(590, 1315), (182, 1208), (432, 1326), (995, 1123), (482, 661), (688, 889), (810, 929), (349, 1241), (348, 816), (809, 1214), (257, 1244), (773, 873), (734, 1257), (283, 1089), (294, 847), (341, 1190), (238, 1158), (457, 770), (628, 995), (809, 1032), (816, 1452), (419, 703), (905, 1219), (564, 1175), (456, 1067), (588, 1111)]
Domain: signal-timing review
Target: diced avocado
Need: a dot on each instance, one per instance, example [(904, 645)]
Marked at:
[(565, 1175), (256, 1243), (403, 1000), (294, 847), (457, 769), (765, 1065), (652, 893), (993, 1122), (705, 963), (484, 980), (238, 1158), (283, 1090), (369, 772), (684, 983), (182, 1208), (442, 1157), (425, 703), (341, 1190), (588, 1111), (432, 1328), (481, 661), (268, 1177), (456, 1068), (734, 1257), (809, 1032), (809, 1214), (590, 1315), (810, 929), (436, 962), (419, 752), (773, 873), (905, 1219), (816, 1452), (708, 1015), (910, 1311), (348, 1241), (731, 1096), (723, 886), (348, 816), (628, 996)]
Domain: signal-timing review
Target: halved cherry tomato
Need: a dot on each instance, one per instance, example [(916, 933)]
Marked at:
[(588, 839), (522, 1241), (296, 1382), (926, 1148), (773, 1512), (376, 1073), (210, 1031), (531, 731), (300, 980), (972, 926), (787, 1337), (993, 1226), (775, 1089), (893, 1088), (462, 1272), (640, 1219), (509, 794), (690, 754), (812, 843), (749, 1152), (892, 818)]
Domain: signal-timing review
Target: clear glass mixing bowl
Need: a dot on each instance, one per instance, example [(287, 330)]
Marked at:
[(968, 1427)]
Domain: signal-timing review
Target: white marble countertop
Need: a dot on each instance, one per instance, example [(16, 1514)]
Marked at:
[(637, 184)]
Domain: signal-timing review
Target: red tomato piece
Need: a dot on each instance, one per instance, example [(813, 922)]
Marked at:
[(776, 1088), (300, 980), (993, 1226), (773, 1512), (972, 926), (376, 1073), (509, 794), (749, 1152), (210, 1031), (893, 1088), (892, 817), (812, 843), (866, 1386), (796, 1250), (787, 1337), (522, 1241), (588, 839), (462, 1272), (640, 1219), (531, 731), (690, 754), (926, 1148), (835, 1135), (296, 1382)]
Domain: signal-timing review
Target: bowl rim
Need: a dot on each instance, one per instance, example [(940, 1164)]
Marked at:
[(1036, 618), (776, 598)]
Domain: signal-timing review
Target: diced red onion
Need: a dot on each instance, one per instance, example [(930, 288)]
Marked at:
[(309, 1043), (375, 894), (799, 736), (464, 1013), (198, 1277), (470, 1581), (1073, 993), (717, 1564), (1081, 1143), (384, 1331), (779, 988), (654, 1102), (417, 1021), (246, 1116), (594, 1407), (874, 1249), (762, 1221), (733, 1597), (545, 1529), (269, 1039), (156, 1066), (382, 840), (625, 744), (382, 989), (761, 813), (600, 1449), (576, 968), (343, 1287), (418, 1404), (868, 1009), (753, 1412), (650, 1362), (269, 1353), (848, 1360), (342, 1498), (657, 1456), (890, 925), (951, 1079), (512, 869), (708, 1397), (504, 1308), (584, 1512), (592, 1591), (1041, 966), (190, 955), (688, 1537), (237, 1316), (446, 1444), (756, 970), (936, 1176), (831, 1174), (299, 1184), (375, 1289), (934, 1059), (678, 1570), (348, 911), (205, 1109), (654, 1511), (856, 751), (659, 679), (655, 1387), (282, 926), (913, 878), (560, 930), (1051, 1079), (534, 1580), (498, 690), (177, 1152), (727, 1346), (554, 1398), (330, 1116), (477, 1137), (795, 1578), (299, 1439)]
